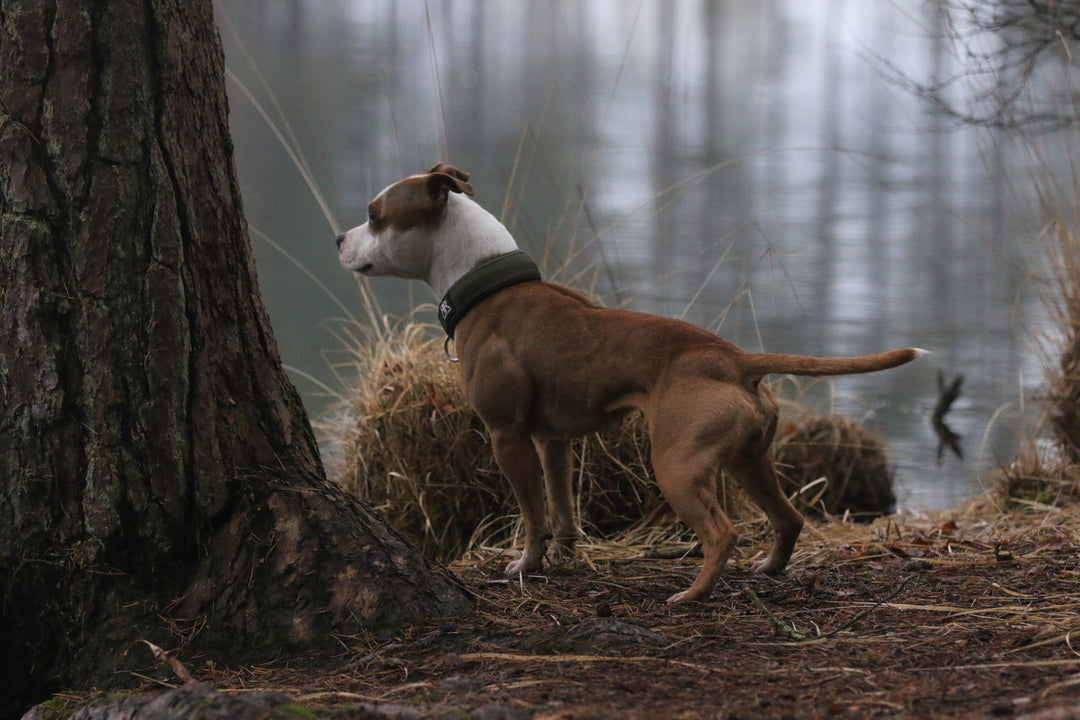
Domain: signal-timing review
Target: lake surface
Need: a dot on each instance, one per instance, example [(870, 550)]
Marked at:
[(750, 167)]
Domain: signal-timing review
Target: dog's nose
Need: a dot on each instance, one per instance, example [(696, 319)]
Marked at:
[(340, 239)]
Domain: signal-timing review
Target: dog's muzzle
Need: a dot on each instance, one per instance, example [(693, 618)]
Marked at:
[(340, 239)]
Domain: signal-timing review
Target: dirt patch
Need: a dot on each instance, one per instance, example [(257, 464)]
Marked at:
[(961, 615)]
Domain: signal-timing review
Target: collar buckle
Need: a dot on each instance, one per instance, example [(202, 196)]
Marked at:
[(446, 349)]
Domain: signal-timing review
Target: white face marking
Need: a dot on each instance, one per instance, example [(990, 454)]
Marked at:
[(417, 233), (387, 244)]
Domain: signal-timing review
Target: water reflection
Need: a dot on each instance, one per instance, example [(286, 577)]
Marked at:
[(744, 165)]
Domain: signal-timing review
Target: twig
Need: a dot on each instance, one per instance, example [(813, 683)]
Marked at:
[(164, 658), (798, 635), (544, 659), (677, 553), (417, 644), (779, 624), (860, 615), (518, 657)]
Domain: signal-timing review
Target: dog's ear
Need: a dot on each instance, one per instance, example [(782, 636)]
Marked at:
[(445, 178), (450, 170)]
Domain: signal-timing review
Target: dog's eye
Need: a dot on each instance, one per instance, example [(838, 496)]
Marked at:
[(372, 216)]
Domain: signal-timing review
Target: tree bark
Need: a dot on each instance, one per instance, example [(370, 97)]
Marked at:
[(154, 457)]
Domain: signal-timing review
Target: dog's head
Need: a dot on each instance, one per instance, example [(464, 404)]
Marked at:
[(402, 226)]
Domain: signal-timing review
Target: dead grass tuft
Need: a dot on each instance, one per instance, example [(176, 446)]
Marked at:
[(414, 450), (1047, 471), (832, 465), (1064, 381), (1039, 476)]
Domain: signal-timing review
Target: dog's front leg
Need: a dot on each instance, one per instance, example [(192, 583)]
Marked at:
[(520, 463), (557, 462)]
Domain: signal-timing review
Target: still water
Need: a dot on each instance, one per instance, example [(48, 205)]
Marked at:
[(748, 166)]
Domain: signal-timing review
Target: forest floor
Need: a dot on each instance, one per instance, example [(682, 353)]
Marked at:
[(967, 614)]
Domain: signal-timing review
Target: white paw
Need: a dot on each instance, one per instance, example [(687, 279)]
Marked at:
[(521, 567), (677, 598), (766, 567)]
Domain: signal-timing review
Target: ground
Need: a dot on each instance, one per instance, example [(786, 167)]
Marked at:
[(963, 615)]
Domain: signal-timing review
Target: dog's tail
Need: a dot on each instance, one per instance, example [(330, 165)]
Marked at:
[(756, 366)]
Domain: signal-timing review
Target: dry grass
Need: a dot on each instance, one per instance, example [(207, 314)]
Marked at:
[(1038, 476), (832, 465), (1064, 380), (1047, 470), (414, 450)]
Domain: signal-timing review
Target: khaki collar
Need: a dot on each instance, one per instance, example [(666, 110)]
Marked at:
[(482, 282)]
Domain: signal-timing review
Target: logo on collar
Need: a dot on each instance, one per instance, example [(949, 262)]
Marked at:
[(445, 308)]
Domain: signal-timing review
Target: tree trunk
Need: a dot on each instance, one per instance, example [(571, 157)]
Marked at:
[(154, 457)]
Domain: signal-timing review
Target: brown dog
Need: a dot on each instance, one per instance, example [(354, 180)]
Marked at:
[(541, 364)]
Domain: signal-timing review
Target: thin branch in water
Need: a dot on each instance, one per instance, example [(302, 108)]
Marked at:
[(947, 395)]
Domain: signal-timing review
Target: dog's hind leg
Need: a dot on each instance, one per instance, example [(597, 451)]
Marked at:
[(517, 458), (757, 476), (688, 483), (556, 459)]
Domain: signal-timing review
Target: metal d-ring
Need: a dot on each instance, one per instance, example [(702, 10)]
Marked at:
[(446, 349)]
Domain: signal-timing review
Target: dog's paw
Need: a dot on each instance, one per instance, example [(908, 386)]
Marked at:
[(687, 596), (522, 567), (768, 566)]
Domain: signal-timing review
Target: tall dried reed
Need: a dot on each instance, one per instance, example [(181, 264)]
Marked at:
[(1046, 471)]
